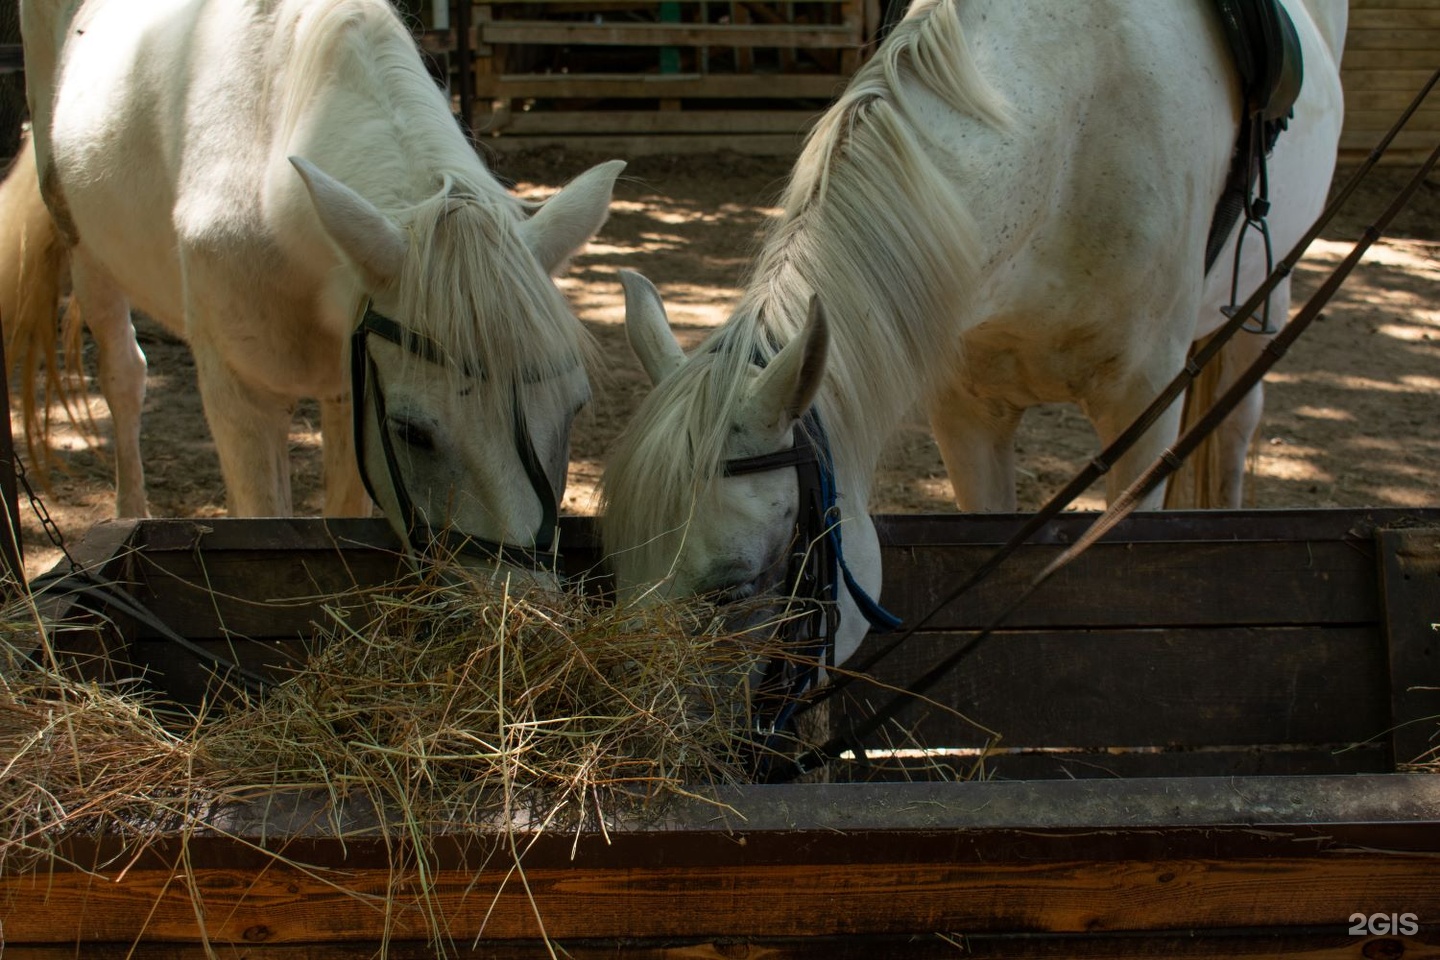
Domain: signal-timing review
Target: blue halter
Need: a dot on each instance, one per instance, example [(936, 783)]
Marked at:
[(817, 568)]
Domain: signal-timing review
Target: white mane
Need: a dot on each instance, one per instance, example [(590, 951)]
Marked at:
[(467, 259), (872, 225)]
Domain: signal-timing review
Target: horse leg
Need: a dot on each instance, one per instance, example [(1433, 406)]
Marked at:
[(106, 313), (345, 494), (977, 443), (1113, 413), (251, 427), (1232, 438)]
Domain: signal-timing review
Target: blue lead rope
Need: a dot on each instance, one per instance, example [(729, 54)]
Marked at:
[(878, 617)]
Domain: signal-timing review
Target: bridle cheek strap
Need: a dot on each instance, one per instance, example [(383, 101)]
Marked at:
[(421, 537), (817, 568)]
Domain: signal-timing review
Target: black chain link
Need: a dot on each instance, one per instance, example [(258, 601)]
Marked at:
[(47, 523)]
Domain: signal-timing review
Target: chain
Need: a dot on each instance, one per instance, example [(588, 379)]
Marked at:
[(47, 523)]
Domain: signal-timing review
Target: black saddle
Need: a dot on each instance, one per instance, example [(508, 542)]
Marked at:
[(1266, 51)]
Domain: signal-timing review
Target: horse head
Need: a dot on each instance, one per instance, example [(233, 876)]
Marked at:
[(677, 521), (467, 365)]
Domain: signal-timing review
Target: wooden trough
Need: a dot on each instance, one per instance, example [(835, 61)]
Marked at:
[(1204, 726)]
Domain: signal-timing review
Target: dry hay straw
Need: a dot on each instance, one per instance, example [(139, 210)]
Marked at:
[(1429, 760), (448, 706), (464, 702), (76, 756), (444, 703)]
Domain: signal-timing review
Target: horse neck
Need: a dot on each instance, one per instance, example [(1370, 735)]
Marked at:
[(375, 119), (887, 344)]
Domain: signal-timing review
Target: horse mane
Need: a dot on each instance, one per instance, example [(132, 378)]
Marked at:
[(467, 260), (470, 282), (873, 225)]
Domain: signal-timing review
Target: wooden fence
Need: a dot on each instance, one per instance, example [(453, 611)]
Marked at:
[(688, 75), (1392, 48)]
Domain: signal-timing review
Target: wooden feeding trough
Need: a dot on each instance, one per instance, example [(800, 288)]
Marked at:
[(1206, 726)]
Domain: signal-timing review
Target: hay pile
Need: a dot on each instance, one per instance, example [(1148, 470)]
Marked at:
[(443, 704), (75, 756), (455, 703)]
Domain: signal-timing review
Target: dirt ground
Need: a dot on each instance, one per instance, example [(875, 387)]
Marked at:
[(1351, 414)]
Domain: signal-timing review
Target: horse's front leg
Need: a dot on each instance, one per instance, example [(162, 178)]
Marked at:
[(251, 427), (345, 494), (106, 314), (977, 443), (1114, 410)]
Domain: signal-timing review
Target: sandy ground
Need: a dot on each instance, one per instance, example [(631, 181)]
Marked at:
[(1351, 416)]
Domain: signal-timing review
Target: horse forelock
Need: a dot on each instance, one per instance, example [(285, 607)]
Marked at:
[(673, 448), (471, 284)]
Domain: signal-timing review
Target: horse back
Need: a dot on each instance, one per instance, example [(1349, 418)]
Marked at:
[(168, 137)]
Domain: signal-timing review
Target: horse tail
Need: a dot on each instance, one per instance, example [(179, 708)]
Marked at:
[(33, 266), (1196, 485)]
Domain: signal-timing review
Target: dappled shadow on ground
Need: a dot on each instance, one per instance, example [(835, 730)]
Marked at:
[(1351, 413), (1351, 419)]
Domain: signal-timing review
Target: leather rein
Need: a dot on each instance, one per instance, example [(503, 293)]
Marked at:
[(420, 536)]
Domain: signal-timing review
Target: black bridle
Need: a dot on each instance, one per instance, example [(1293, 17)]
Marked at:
[(419, 534), (816, 569)]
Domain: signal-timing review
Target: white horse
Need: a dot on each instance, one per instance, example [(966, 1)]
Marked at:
[(1008, 206), (274, 179)]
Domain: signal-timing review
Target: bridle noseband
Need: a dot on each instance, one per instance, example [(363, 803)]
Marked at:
[(817, 568), (420, 535)]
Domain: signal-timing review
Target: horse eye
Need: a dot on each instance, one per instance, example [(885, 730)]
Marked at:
[(414, 435)]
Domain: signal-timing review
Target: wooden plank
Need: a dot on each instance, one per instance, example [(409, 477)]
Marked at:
[(1423, 123), (558, 32), (180, 678), (1062, 857), (284, 905), (1426, 40), (281, 904), (1393, 101), (1390, 58), (1410, 577), (1395, 18), (1278, 943), (1143, 688), (1408, 145), (1351, 525), (679, 85), (256, 594), (1115, 762), (1144, 585), (1358, 79)]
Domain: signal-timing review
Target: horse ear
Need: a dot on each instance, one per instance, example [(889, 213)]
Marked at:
[(648, 328), (787, 386), (569, 219), (363, 233)]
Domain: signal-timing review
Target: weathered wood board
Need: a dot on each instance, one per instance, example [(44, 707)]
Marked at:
[(1201, 724)]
